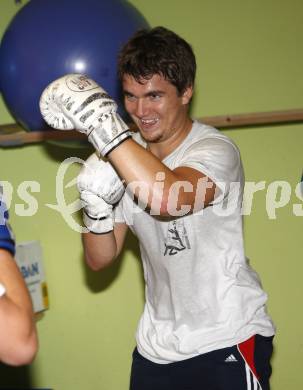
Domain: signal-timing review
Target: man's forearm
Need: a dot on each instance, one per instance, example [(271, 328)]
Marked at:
[(99, 249), (164, 191)]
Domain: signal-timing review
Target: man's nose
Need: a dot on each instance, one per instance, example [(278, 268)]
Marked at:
[(141, 108)]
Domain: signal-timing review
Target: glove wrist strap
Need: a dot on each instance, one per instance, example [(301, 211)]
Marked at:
[(108, 132), (95, 139), (98, 225)]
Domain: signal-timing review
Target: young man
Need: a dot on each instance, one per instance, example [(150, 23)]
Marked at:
[(204, 324), (18, 336)]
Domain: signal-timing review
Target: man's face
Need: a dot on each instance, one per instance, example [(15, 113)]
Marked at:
[(156, 107)]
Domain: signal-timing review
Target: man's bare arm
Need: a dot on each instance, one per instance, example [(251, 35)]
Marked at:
[(18, 335), (102, 249)]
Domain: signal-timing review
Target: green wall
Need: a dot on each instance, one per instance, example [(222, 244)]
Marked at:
[(249, 60)]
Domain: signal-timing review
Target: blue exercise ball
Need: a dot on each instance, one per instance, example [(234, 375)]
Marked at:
[(49, 38)]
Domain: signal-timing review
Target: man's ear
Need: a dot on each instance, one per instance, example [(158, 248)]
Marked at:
[(187, 95)]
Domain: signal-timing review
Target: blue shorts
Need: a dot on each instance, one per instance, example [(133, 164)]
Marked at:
[(245, 366)]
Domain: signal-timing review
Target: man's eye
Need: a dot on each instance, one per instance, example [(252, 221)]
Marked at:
[(154, 96), (130, 98)]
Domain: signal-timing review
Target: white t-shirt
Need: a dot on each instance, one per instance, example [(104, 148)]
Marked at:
[(201, 295)]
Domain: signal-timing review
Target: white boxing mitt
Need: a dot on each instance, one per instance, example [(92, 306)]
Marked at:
[(100, 178), (75, 101), (98, 216)]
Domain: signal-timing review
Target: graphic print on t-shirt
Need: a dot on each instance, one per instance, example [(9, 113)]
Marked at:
[(177, 238)]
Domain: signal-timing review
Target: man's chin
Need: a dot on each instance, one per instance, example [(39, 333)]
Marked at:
[(150, 137)]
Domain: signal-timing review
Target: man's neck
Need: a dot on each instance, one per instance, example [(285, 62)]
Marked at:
[(166, 147)]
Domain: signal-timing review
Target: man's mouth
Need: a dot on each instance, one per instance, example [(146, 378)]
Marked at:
[(146, 123)]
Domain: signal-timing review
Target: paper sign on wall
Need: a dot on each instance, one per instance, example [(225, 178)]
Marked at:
[(29, 260)]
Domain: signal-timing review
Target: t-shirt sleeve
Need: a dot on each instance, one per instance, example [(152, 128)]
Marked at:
[(216, 158), (7, 240)]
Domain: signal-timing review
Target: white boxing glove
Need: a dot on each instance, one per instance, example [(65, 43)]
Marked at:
[(75, 101), (100, 178), (97, 214)]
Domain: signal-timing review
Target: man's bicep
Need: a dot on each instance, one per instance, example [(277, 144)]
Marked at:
[(200, 189)]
